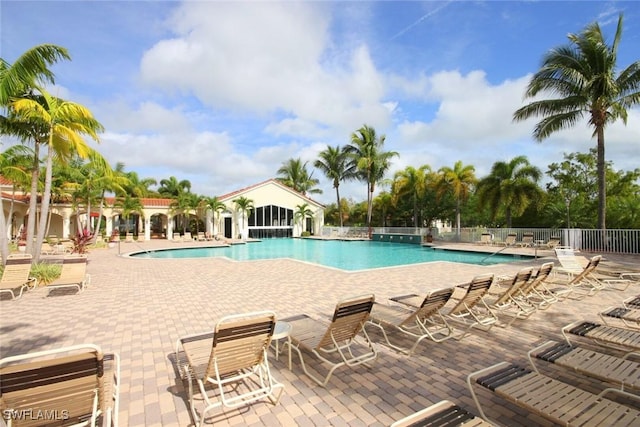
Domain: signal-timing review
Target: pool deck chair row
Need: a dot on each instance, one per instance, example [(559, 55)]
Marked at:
[(15, 276), (577, 284), (554, 400), (508, 299), (467, 307), (229, 364), (605, 367), (418, 323), (609, 336), (442, 414), (343, 342), (76, 385), (630, 317)]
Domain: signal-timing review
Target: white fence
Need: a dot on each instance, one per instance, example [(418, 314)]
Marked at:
[(619, 241)]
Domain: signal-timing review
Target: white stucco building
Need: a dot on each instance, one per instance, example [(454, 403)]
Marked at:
[(273, 215)]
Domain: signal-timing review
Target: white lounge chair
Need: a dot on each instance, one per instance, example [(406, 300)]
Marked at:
[(335, 343), (232, 360)]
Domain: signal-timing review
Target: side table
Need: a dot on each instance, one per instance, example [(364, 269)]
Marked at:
[(281, 331)]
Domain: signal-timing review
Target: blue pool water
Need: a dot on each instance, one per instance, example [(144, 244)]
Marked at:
[(345, 255)]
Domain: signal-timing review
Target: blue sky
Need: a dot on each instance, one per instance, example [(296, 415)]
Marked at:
[(222, 93)]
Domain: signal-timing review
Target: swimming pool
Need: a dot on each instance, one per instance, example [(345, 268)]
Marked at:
[(344, 255)]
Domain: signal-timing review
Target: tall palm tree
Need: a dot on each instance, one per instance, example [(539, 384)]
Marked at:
[(63, 123), (337, 165), (511, 186), (301, 213), (18, 80), (29, 71), (371, 161), (584, 76), (458, 181), (293, 173), (412, 182), (244, 206)]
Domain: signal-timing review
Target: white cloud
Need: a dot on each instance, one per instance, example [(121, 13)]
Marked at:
[(267, 59)]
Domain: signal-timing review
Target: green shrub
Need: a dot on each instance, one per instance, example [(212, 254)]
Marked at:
[(45, 273), (305, 234)]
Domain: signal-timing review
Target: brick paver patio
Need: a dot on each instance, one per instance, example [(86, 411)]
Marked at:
[(139, 307)]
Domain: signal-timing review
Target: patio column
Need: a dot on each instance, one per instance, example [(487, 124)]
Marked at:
[(169, 227), (147, 228), (66, 224)]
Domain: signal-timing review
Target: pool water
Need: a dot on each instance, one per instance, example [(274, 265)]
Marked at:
[(344, 255)]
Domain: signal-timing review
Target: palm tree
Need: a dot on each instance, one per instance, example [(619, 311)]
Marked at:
[(302, 212), (293, 173), (128, 206), (511, 186), (244, 206), (584, 76), (216, 207), (372, 163), (28, 71), (412, 182), (14, 164), (63, 123), (383, 203), (457, 181), (337, 165), (182, 205), (172, 187), (137, 187), (18, 80)]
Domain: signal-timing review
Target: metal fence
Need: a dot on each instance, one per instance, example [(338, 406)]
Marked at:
[(618, 241)]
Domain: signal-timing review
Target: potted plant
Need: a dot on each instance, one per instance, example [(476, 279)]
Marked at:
[(429, 236), (22, 240)]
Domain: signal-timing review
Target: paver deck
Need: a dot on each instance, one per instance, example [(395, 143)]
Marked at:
[(139, 307)]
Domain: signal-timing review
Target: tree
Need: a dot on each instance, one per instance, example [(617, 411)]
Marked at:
[(14, 164), (29, 71), (302, 212), (60, 125), (128, 206), (18, 80), (413, 183), (183, 204), (457, 181), (244, 206), (293, 173), (372, 162), (584, 76), (511, 187), (137, 187), (172, 187), (337, 165), (214, 205)]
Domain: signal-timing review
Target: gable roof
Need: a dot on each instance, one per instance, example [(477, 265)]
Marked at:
[(272, 181)]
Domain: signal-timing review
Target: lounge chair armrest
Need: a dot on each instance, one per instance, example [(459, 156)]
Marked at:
[(619, 392)]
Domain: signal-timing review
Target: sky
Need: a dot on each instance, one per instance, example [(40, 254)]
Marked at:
[(223, 93)]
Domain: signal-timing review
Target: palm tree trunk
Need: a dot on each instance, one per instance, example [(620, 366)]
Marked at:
[(4, 241), (602, 188), (339, 206), (458, 219), (369, 208), (46, 197), (33, 198)]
